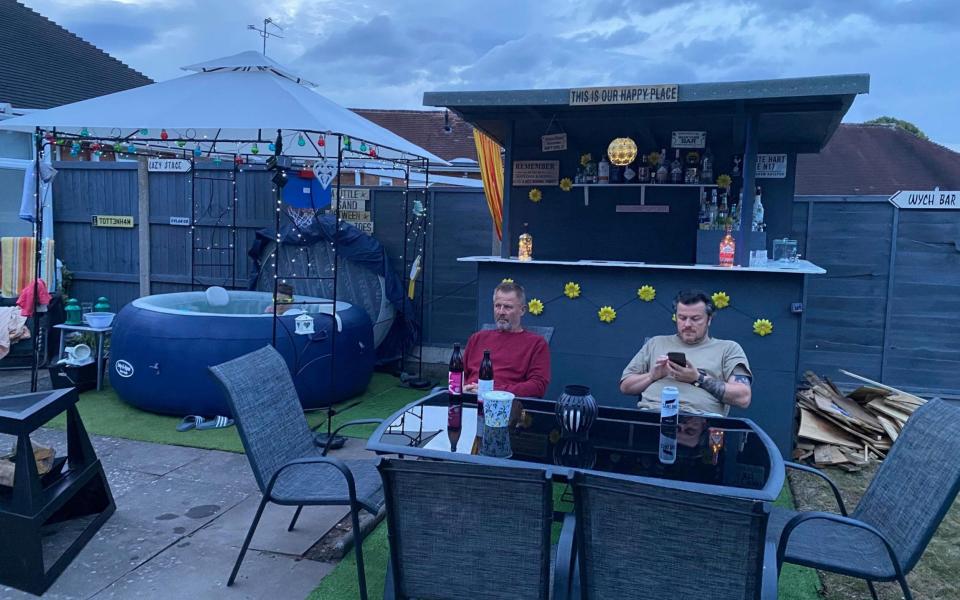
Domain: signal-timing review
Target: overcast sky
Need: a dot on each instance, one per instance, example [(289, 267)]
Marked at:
[(386, 53)]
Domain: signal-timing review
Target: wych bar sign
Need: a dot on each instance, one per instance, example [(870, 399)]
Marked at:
[(927, 199), (629, 94)]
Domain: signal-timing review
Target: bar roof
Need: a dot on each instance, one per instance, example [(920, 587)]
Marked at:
[(801, 112)]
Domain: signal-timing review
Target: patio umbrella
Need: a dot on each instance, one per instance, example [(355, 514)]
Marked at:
[(246, 97)]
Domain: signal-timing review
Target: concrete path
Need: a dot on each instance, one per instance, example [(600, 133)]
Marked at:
[(181, 517)]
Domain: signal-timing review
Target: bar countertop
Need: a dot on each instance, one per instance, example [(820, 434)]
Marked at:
[(801, 267)]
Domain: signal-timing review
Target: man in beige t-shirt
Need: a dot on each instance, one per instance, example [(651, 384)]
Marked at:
[(717, 373)]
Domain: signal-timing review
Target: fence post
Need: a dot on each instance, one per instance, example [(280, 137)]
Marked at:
[(143, 224)]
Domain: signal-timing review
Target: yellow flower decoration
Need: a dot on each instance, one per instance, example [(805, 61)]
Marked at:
[(720, 300), (607, 314), (724, 181), (535, 306), (585, 159), (535, 195), (565, 184), (647, 293), (762, 327), (571, 290), (506, 280)]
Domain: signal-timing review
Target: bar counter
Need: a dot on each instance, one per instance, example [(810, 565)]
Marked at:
[(587, 350)]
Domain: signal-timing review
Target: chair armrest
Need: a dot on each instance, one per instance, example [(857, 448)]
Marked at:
[(333, 462), (822, 475), (769, 578), (563, 567), (326, 447), (809, 516)]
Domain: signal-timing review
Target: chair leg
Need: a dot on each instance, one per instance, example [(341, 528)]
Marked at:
[(296, 516), (906, 588), (246, 541), (873, 590), (358, 547)]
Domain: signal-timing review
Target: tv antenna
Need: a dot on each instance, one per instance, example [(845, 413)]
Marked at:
[(265, 33)]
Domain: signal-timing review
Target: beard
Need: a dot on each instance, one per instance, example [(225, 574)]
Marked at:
[(503, 325)]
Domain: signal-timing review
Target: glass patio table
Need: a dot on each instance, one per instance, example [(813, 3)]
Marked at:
[(719, 455)]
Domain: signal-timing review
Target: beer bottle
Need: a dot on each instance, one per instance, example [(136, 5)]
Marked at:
[(455, 397)]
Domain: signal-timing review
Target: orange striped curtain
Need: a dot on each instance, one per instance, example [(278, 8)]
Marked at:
[(491, 169)]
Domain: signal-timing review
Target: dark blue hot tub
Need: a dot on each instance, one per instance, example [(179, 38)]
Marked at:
[(163, 344)]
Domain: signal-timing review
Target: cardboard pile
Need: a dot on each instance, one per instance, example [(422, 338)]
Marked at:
[(846, 431)]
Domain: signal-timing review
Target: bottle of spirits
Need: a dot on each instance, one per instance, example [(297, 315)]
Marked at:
[(691, 172), (712, 210), (722, 212), (702, 216), (676, 169), (758, 224), (455, 398), (630, 173), (603, 171), (706, 167), (728, 249), (669, 407), (663, 175), (643, 170)]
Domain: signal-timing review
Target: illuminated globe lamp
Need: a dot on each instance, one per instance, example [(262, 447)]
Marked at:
[(622, 151), (525, 245)]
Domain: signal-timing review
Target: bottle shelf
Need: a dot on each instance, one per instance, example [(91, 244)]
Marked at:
[(641, 186)]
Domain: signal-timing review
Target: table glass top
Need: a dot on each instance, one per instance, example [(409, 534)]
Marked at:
[(706, 450)]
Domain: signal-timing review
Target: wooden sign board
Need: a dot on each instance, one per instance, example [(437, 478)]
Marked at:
[(354, 194), (553, 142), (352, 204), (771, 166), (643, 208), (936, 199), (688, 139), (183, 221), (168, 165), (536, 172), (354, 215), (123, 221), (629, 94), (364, 226)]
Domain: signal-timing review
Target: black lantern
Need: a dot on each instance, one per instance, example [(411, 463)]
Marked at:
[(576, 410)]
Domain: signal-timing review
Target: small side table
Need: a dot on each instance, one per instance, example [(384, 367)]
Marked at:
[(62, 510), (100, 332)]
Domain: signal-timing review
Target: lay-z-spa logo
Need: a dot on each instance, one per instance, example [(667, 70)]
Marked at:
[(123, 368)]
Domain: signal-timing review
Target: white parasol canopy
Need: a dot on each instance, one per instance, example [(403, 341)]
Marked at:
[(246, 96)]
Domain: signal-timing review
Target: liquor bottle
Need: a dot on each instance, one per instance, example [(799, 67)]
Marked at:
[(643, 170), (691, 172), (706, 167), (758, 224), (676, 169), (616, 173), (723, 211), (712, 210), (663, 175), (630, 173), (603, 171), (728, 249), (455, 397), (669, 407), (702, 216)]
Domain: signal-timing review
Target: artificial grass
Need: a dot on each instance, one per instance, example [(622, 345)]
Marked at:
[(796, 583), (103, 413)]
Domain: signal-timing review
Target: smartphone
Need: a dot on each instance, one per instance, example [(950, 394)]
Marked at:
[(678, 358)]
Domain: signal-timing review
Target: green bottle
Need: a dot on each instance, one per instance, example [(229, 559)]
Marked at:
[(74, 312)]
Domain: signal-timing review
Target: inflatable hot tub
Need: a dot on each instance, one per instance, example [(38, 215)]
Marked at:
[(163, 344)]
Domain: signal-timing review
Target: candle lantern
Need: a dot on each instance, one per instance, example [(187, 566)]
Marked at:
[(622, 151), (304, 324), (525, 245)]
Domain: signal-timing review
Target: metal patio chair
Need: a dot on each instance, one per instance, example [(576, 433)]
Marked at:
[(290, 469), (467, 531), (886, 534), (638, 540)]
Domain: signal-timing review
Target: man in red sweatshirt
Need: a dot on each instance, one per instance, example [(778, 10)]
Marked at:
[(521, 359)]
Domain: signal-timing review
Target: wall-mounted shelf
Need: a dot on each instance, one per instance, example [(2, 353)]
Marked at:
[(643, 188)]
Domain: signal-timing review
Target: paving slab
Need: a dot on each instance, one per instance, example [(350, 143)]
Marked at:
[(147, 457), (215, 467), (198, 568), (230, 528)]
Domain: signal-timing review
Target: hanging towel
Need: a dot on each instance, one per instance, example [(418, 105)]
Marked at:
[(28, 204), (25, 301), (17, 264)]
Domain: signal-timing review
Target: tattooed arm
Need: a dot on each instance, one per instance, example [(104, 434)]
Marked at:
[(735, 391)]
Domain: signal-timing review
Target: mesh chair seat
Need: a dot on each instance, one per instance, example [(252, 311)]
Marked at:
[(322, 483), (852, 551)]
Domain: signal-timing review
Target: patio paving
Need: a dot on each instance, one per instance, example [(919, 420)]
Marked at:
[(181, 517)]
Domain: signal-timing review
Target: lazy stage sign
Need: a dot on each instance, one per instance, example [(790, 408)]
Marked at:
[(927, 199)]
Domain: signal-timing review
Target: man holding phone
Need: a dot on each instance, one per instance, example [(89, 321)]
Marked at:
[(712, 375)]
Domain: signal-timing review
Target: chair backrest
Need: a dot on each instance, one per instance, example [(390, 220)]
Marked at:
[(466, 531), (546, 332), (638, 540), (267, 411), (917, 481)]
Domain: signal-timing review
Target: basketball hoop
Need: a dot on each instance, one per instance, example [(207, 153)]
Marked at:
[(301, 217)]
